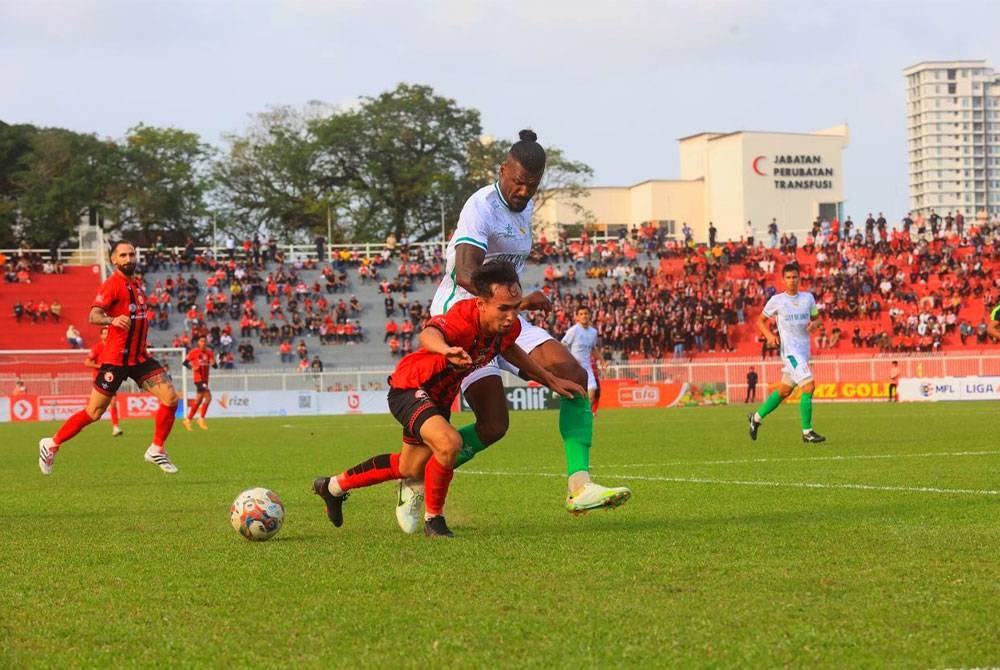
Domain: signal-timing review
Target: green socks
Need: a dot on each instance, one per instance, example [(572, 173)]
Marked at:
[(471, 444), (806, 411), (770, 404), (576, 425)]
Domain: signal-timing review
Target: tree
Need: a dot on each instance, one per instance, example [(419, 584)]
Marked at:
[(15, 145), (162, 183), (62, 176), (275, 177), (402, 157)]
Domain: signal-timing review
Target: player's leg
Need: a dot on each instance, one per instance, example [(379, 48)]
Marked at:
[(192, 408), (206, 400), (154, 378), (116, 430), (97, 403), (576, 425), (807, 386), (483, 390), (445, 444)]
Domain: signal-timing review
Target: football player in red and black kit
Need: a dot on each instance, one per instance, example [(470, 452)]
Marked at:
[(94, 361), (424, 384), (121, 304), (200, 359)]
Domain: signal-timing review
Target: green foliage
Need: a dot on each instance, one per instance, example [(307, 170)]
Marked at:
[(163, 183), (730, 554)]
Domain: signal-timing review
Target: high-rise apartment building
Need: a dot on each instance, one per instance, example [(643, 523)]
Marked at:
[(953, 137)]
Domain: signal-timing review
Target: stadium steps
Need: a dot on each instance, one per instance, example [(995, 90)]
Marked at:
[(75, 289)]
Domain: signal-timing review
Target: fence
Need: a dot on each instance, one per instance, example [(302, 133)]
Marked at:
[(836, 378)]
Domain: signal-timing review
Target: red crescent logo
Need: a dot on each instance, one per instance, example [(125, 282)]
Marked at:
[(756, 167)]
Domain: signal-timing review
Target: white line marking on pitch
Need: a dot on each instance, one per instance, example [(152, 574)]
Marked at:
[(737, 461), (744, 482)]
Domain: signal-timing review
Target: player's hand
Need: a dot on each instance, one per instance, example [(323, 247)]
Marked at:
[(772, 341), (565, 387), (121, 321), (458, 357), (536, 300)]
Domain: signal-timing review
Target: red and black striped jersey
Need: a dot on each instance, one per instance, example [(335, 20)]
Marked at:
[(121, 295), (200, 362), (432, 372)]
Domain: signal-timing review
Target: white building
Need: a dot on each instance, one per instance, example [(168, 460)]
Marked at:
[(953, 136), (727, 179)]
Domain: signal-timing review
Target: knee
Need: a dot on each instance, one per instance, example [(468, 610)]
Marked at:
[(491, 429), (447, 451), (171, 400)]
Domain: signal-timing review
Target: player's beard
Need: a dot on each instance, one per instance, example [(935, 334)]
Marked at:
[(128, 269)]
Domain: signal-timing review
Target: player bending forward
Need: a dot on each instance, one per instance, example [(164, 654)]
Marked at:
[(495, 224), (93, 361), (121, 304), (797, 318), (424, 384), (200, 359)]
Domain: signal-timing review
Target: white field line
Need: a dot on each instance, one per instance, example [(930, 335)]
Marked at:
[(857, 457), (745, 482)]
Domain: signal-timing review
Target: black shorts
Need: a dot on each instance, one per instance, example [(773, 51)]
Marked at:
[(201, 387), (412, 407), (110, 377)]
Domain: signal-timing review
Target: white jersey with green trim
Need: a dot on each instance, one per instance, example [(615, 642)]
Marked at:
[(581, 340), (794, 313), (488, 223)]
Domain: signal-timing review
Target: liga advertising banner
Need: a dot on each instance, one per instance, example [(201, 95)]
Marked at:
[(935, 389)]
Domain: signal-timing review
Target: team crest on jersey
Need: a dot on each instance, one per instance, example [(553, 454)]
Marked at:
[(99, 298)]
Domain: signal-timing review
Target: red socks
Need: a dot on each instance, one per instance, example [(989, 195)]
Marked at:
[(114, 412), (375, 470), (192, 410), (203, 410), (164, 422), (437, 479), (73, 425)]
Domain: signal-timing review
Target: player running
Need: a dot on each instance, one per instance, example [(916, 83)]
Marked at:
[(200, 359), (121, 304), (425, 383), (93, 361), (797, 317), (495, 224), (581, 339)]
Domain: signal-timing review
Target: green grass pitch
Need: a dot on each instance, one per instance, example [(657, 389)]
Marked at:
[(880, 548)]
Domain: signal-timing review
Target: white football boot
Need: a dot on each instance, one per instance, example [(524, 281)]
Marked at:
[(594, 496), (409, 508), (159, 457), (46, 455)]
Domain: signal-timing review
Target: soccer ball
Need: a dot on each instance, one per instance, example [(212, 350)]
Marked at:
[(257, 514)]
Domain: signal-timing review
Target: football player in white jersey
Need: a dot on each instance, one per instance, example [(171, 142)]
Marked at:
[(581, 340), (495, 224), (797, 318)]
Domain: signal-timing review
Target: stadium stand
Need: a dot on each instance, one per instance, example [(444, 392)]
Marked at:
[(653, 298), (37, 314)]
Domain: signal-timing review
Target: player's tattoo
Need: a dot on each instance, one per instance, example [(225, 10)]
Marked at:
[(162, 377)]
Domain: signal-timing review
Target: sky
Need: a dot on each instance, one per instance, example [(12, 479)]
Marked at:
[(613, 84)]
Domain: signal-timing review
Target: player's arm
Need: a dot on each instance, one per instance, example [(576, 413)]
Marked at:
[(433, 341), (91, 362), (468, 258), (815, 323), (564, 387), (567, 339), (764, 328), (99, 317)]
